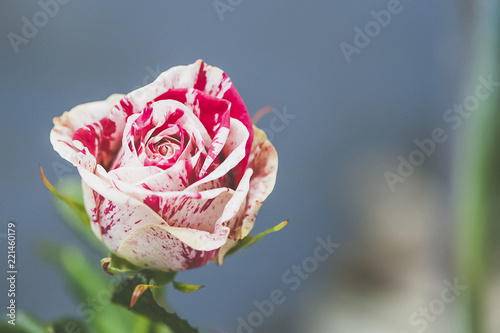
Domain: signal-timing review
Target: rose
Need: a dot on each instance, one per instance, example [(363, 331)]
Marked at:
[(173, 173)]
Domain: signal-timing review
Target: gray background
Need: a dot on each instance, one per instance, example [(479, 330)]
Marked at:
[(283, 53)]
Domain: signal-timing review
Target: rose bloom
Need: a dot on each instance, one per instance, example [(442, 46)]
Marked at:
[(173, 173)]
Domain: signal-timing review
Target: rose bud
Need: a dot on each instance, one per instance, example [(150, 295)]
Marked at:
[(173, 173)]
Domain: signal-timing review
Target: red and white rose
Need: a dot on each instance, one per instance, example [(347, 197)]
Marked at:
[(173, 173)]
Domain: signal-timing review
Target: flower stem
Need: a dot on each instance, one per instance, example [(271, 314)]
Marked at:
[(475, 172), (159, 295), (142, 324)]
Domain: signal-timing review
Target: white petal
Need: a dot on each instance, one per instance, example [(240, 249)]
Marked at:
[(80, 116), (234, 150), (264, 162)]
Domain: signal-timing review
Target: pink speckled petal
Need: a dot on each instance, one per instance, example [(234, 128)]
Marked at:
[(200, 213), (186, 209), (215, 148), (195, 210), (264, 162), (234, 150), (116, 206), (152, 178), (213, 112), (208, 79), (170, 175), (92, 200), (200, 76), (82, 118), (153, 247), (141, 193), (152, 118)]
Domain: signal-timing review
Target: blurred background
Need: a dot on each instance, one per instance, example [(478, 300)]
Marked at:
[(357, 88)]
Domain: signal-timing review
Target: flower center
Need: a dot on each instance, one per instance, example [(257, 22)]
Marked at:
[(167, 147)]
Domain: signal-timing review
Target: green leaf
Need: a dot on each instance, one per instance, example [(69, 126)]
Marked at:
[(76, 206), (31, 324), (66, 325), (161, 328), (147, 306), (145, 325), (250, 240), (72, 187), (91, 288), (185, 287), (24, 324)]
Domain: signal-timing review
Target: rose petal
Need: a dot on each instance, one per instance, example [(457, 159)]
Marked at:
[(234, 150), (82, 116), (164, 168), (195, 210), (154, 117), (264, 162), (155, 248), (131, 212), (208, 79)]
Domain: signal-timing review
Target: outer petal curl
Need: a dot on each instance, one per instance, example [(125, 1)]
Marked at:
[(77, 135), (264, 162)]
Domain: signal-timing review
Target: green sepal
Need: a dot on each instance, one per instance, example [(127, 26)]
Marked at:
[(186, 287), (251, 240), (119, 265), (147, 306), (76, 206), (161, 278)]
